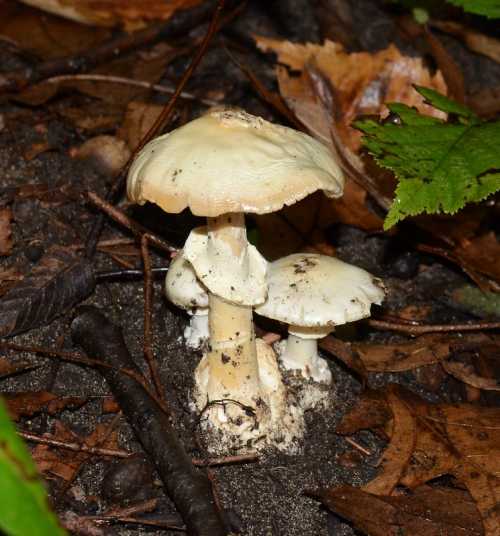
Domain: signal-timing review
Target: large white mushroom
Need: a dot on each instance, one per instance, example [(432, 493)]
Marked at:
[(312, 294), (222, 165)]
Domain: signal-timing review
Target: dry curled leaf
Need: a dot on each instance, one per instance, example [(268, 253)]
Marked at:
[(465, 373), (399, 357), (7, 368), (131, 14), (362, 82), (6, 241), (63, 463), (59, 281), (139, 118), (482, 254), (31, 403), (426, 512), (476, 41), (399, 450), (370, 412)]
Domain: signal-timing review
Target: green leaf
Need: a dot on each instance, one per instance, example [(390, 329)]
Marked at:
[(440, 166), (24, 508), (445, 104), (487, 8)]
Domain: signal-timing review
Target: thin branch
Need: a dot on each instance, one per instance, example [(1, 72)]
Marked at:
[(136, 228), (420, 329), (52, 441), (104, 78), (75, 447)]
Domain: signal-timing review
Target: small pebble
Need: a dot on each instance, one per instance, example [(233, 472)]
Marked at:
[(128, 480), (405, 265)]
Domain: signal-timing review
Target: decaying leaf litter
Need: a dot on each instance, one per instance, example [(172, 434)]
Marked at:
[(431, 441)]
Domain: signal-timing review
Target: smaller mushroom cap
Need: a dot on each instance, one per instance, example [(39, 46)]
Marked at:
[(231, 161), (315, 291), (182, 287), (225, 275)]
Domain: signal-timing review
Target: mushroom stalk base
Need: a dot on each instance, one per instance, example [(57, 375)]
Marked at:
[(302, 354), (239, 389)]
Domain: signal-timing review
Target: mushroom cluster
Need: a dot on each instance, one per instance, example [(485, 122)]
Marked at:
[(221, 166)]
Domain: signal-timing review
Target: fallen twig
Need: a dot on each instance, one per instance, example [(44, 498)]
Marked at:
[(119, 217), (189, 489), (420, 329), (104, 78), (75, 447), (52, 441)]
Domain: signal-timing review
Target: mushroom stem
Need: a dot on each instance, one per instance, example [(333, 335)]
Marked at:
[(302, 354), (232, 356)]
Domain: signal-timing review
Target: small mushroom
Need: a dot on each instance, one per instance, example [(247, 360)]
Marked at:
[(223, 165), (313, 294), (183, 288)]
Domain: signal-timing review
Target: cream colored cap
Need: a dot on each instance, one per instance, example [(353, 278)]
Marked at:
[(182, 287), (311, 290), (231, 161), (240, 280)]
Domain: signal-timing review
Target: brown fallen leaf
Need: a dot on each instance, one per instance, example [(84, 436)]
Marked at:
[(399, 357), (8, 369), (409, 355), (46, 37), (63, 463), (462, 440), (476, 41), (482, 254), (370, 412), (465, 373), (29, 404), (362, 82), (132, 14), (397, 454), (139, 118), (485, 490), (6, 241), (426, 512)]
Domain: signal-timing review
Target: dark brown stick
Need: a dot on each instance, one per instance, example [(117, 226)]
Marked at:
[(189, 488), (148, 304)]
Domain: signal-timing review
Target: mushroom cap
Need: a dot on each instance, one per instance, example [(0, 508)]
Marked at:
[(231, 161), (225, 275), (315, 291), (182, 287)]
